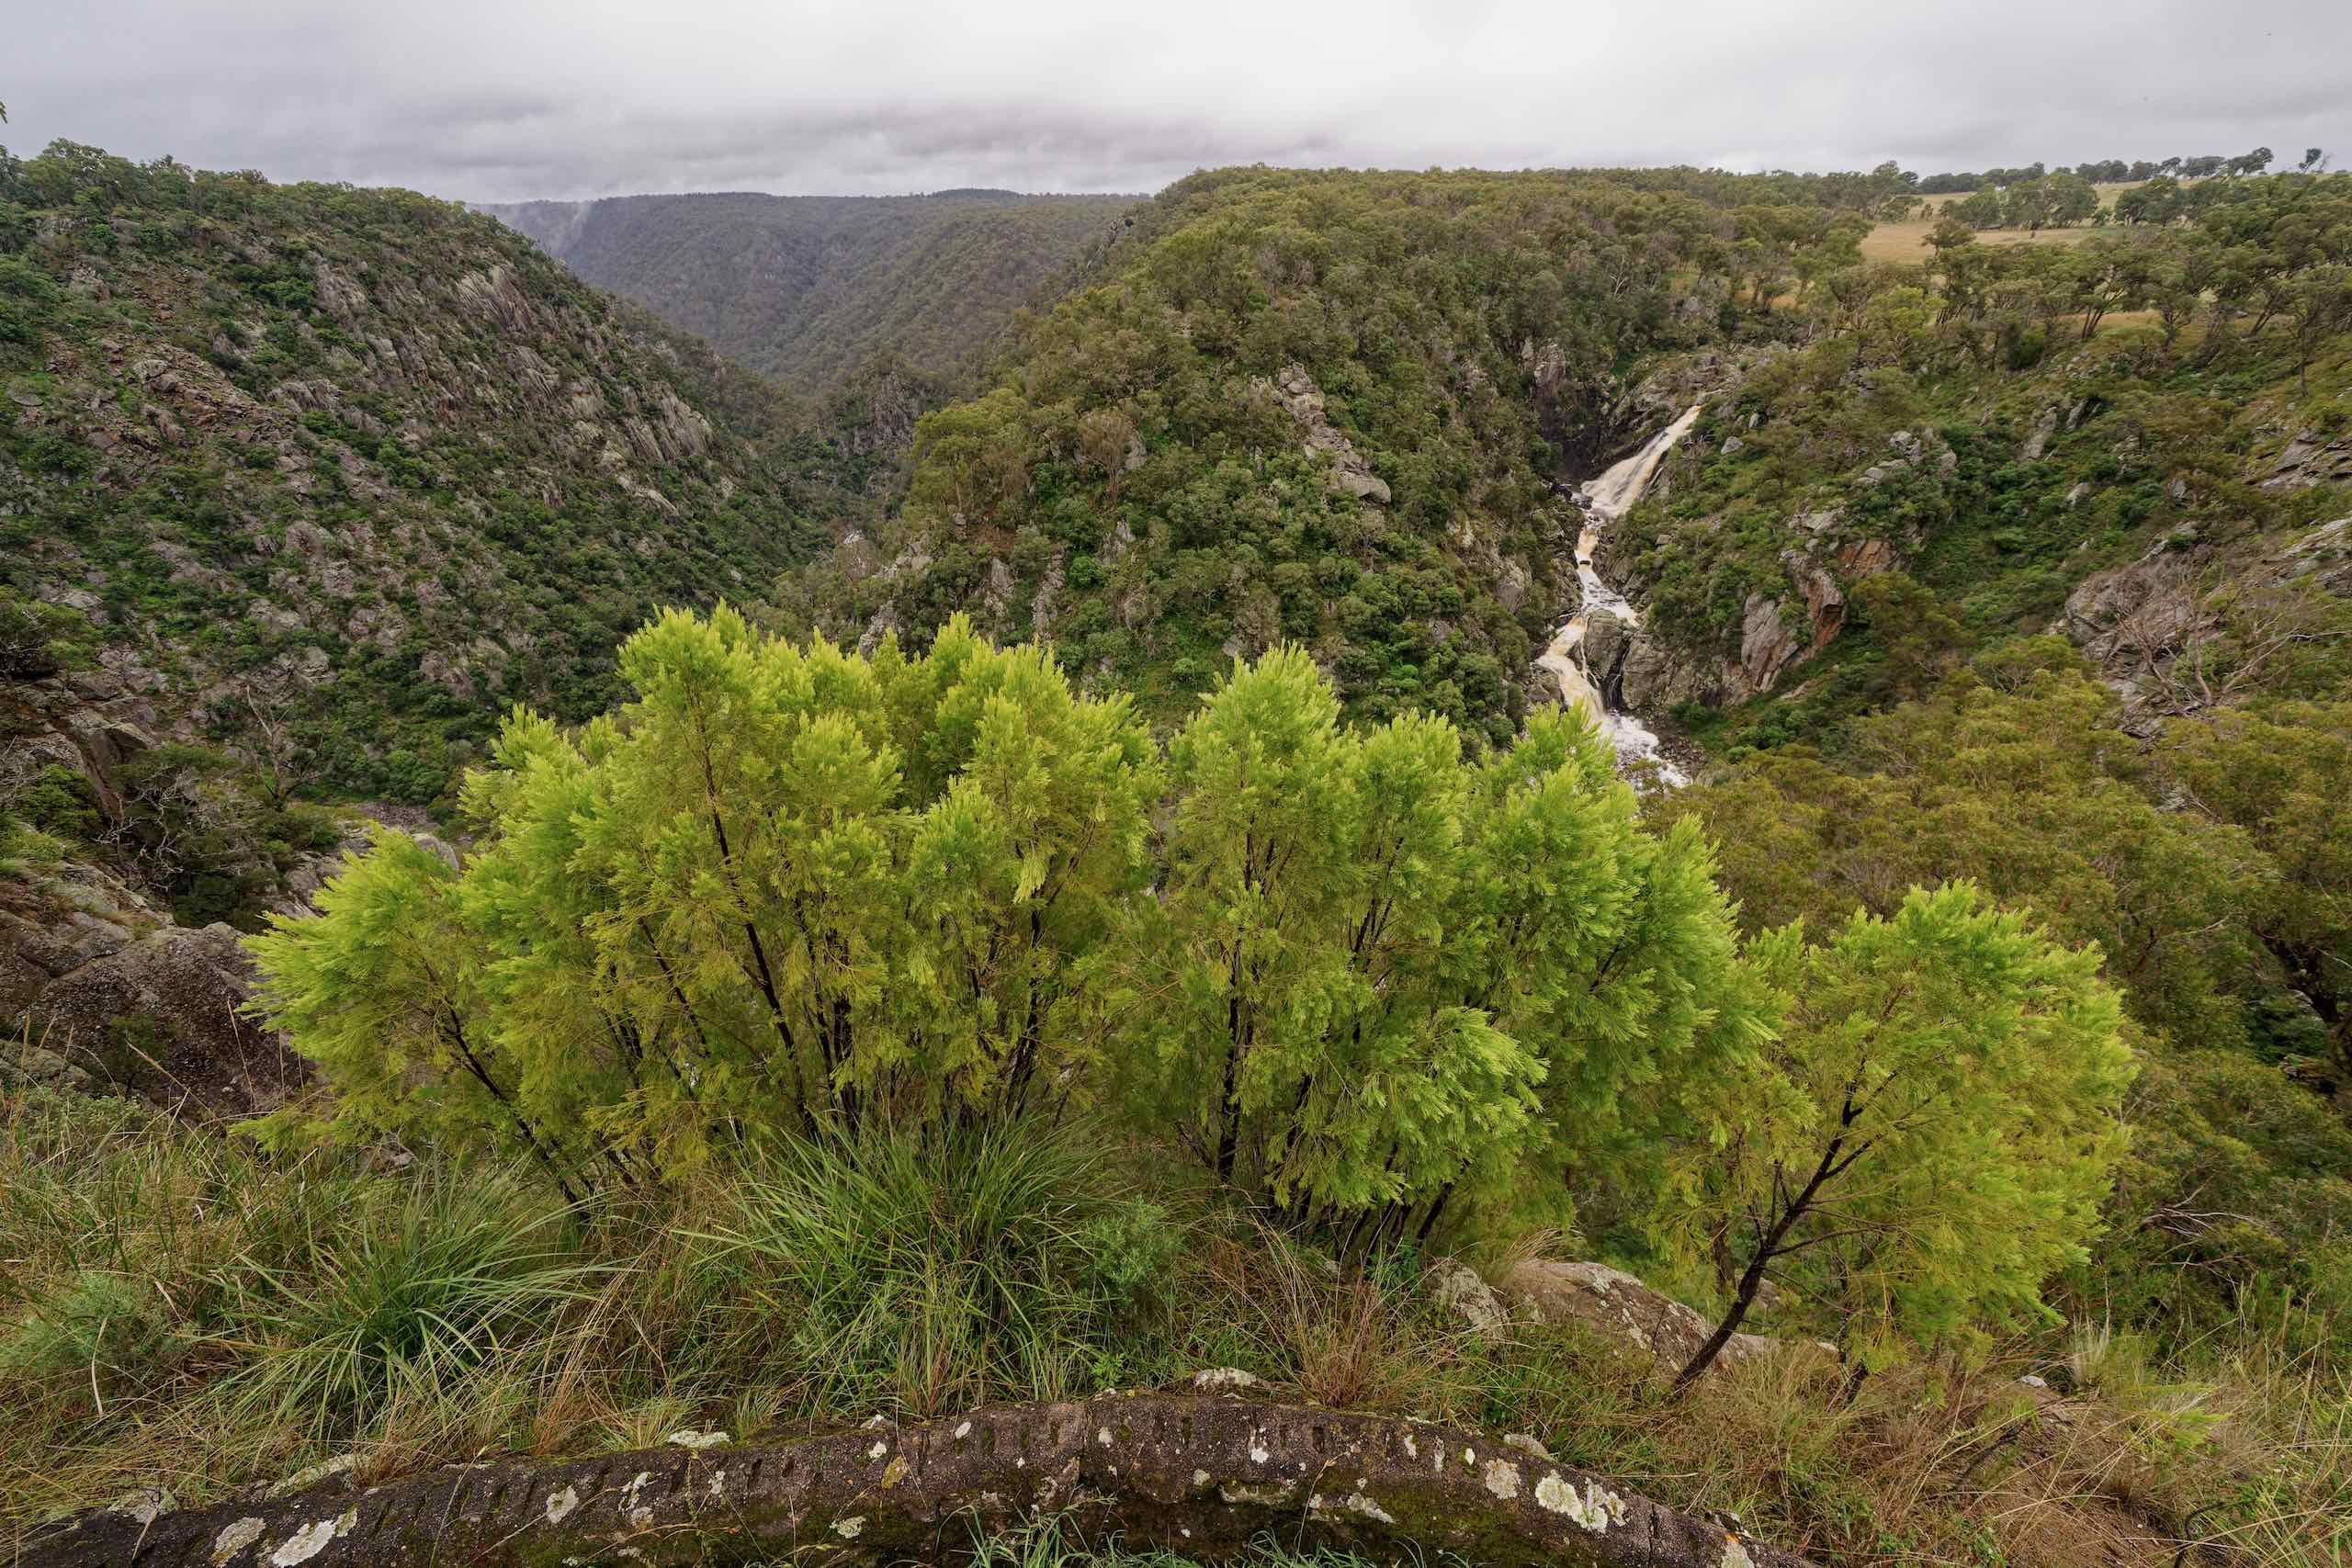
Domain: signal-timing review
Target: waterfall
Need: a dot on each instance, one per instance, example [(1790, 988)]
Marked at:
[(1605, 500)]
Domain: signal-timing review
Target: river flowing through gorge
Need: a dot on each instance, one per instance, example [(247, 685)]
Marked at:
[(1605, 500)]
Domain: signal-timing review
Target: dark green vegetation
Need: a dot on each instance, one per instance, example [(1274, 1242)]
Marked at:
[(2115, 171), (1321, 408), (359, 466), (807, 288), (822, 1030)]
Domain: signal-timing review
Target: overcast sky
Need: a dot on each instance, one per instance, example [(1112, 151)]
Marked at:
[(501, 99)]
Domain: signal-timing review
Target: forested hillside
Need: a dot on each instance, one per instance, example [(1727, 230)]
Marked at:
[(809, 287), (1330, 407), (299, 485), (1163, 925)]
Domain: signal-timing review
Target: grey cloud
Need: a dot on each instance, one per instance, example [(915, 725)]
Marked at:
[(497, 99)]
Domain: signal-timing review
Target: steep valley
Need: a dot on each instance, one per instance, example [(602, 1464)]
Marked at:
[(807, 288), (1370, 782)]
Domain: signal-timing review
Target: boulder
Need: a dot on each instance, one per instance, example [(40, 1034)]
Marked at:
[(1459, 1287), (1607, 642), (163, 1017), (1613, 1301), (2038, 441), (1653, 677)]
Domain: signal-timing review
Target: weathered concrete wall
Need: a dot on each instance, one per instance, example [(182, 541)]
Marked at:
[(1199, 1475)]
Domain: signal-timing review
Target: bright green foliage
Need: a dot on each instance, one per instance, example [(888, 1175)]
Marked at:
[(1377, 973), (789, 888), (780, 888), (1930, 1135)]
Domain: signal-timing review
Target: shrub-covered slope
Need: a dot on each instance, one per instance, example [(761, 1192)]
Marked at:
[(806, 287), (1328, 407), (339, 472)]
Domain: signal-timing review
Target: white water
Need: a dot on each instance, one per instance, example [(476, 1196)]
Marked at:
[(1607, 499)]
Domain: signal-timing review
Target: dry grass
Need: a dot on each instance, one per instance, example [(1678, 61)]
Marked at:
[(1937, 1465), (1352, 1341), (1906, 241), (1928, 1465)]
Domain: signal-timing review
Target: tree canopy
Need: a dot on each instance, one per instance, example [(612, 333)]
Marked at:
[(792, 889)]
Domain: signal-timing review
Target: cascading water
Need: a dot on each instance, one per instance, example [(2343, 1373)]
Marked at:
[(1605, 500)]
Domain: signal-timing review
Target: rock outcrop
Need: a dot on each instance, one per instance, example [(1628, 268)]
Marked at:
[(2310, 458), (162, 1018), (1348, 469), (2137, 620), (2323, 557), (1198, 1476), (2130, 618), (1615, 1302)]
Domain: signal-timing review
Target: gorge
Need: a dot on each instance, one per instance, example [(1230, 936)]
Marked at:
[(1605, 500)]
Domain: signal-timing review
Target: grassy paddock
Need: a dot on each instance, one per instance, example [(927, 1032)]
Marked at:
[(1906, 241), (179, 1308)]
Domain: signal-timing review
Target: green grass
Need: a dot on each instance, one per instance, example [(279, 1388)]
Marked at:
[(181, 1308), (925, 1274)]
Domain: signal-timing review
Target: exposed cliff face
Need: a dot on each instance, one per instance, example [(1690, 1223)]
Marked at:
[(2190, 625), (1780, 623)]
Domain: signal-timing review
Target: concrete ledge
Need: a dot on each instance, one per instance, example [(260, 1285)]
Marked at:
[(1198, 1475)]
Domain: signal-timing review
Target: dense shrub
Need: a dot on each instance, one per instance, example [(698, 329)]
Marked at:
[(798, 890)]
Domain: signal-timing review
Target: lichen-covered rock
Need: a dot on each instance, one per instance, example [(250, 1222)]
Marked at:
[(1203, 1477), (1612, 1300), (1459, 1287)]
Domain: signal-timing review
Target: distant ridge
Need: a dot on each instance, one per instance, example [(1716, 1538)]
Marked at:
[(809, 287)]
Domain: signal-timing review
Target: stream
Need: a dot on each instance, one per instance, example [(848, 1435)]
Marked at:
[(1605, 500)]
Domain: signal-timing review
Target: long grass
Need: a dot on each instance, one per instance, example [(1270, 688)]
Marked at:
[(917, 1275), (181, 1308)]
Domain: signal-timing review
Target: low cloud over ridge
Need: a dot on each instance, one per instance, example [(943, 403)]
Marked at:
[(501, 99)]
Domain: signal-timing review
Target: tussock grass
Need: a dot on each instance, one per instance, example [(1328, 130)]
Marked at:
[(921, 1275), (180, 1308)]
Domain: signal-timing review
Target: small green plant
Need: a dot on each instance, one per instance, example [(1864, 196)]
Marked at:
[(86, 1320)]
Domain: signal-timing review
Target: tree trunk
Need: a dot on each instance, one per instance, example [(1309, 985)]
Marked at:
[(1768, 1248)]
